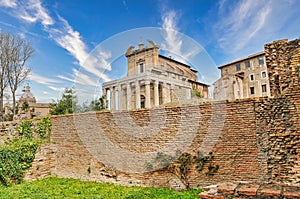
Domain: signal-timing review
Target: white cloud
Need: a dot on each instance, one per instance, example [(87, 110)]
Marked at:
[(250, 23), (241, 23), (93, 63), (8, 3), (41, 79), (179, 46), (70, 40), (32, 11), (79, 78), (58, 89), (170, 29)]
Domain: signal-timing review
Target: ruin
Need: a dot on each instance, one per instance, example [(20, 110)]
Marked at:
[(258, 139)]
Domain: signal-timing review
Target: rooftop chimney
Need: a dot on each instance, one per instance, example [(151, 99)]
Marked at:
[(141, 46)]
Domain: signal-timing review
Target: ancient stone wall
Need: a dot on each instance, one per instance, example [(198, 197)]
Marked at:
[(254, 140), (278, 119), (8, 131), (227, 130)]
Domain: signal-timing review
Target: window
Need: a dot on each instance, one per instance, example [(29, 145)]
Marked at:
[(261, 60), (264, 88), (141, 68), (251, 77), (226, 71), (238, 67), (247, 64), (251, 90), (263, 74)]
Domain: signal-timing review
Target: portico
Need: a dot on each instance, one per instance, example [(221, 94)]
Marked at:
[(126, 94), (152, 80)]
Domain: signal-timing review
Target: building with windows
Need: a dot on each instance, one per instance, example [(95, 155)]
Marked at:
[(243, 78), (152, 80)]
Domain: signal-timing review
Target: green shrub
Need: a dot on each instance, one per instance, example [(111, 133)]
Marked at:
[(196, 93), (25, 129), (44, 127), (15, 159), (17, 156)]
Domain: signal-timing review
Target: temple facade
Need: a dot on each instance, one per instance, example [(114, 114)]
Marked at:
[(153, 80)]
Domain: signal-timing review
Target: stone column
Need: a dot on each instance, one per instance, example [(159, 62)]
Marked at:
[(104, 93), (112, 98), (148, 95), (156, 94), (137, 95), (120, 97), (128, 100), (165, 93), (172, 93)]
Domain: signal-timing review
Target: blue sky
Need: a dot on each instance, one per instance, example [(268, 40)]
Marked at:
[(83, 42)]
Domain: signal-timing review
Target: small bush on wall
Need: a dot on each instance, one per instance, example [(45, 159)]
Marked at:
[(18, 155)]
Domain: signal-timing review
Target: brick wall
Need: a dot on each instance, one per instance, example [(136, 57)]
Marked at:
[(278, 119), (249, 140), (227, 129)]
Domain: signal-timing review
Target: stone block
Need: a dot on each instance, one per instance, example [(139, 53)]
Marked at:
[(247, 189), (270, 190), (207, 188), (290, 192), (205, 195), (227, 188)]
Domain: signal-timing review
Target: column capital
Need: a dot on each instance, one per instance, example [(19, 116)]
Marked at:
[(172, 86), (147, 81)]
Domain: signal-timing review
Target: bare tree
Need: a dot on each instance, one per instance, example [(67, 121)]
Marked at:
[(16, 52), (3, 71)]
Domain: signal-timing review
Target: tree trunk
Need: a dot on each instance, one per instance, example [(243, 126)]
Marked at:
[(1, 105), (14, 103)]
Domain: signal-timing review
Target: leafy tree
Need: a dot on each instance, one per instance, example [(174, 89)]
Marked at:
[(25, 106), (66, 105), (97, 105)]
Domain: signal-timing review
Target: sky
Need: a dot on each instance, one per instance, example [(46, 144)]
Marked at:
[(81, 43)]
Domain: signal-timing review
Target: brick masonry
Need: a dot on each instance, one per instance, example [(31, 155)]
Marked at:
[(254, 140)]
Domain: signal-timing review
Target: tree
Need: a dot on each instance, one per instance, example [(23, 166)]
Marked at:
[(97, 105), (25, 106), (66, 105), (14, 54), (19, 53), (3, 72)]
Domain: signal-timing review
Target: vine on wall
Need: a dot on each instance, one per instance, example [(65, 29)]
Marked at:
[(17, 156), (185, 163)]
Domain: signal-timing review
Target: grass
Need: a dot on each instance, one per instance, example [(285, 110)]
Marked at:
[(70, 188)]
